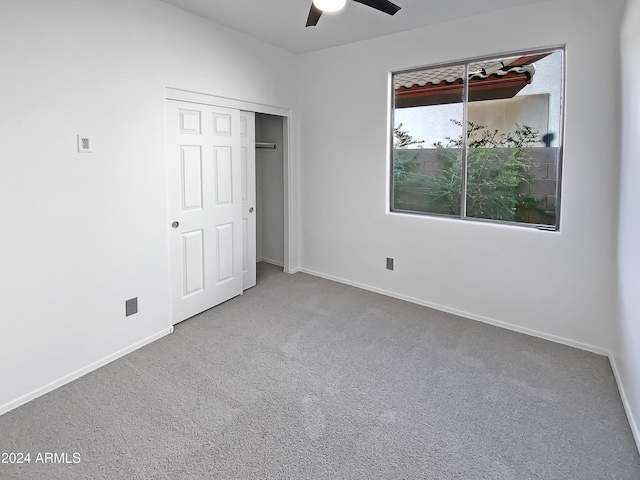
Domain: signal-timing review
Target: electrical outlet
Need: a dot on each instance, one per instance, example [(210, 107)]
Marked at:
[(131, 306), (389, 263)]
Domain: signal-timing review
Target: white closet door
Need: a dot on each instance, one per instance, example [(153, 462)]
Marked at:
[(248, 151), (205, 206)]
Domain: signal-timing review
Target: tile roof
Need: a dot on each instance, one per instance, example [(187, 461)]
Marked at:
[(455, 73)]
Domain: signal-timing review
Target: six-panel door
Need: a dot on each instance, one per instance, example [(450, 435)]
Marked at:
[(205, 206)]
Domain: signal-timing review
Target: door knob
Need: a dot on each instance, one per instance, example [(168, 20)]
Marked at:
[(251, 210), (175, 224)]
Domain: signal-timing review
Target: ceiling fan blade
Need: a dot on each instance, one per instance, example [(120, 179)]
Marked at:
[(314, 16), (383, 5)]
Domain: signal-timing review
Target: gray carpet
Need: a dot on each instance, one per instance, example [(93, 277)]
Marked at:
[(303, 378)]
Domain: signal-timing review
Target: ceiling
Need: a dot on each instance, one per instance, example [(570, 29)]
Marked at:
[(281, 22)]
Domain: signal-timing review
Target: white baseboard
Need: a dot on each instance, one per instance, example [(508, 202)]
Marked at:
[(625, 402), (461, 313), (83, 371), (272, 262)]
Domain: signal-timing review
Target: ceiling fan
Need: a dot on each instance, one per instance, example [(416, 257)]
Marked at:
[(319, 6)]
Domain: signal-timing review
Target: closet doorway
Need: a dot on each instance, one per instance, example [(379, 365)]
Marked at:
[(197, 254), (270, 189)]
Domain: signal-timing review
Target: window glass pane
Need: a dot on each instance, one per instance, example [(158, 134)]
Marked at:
[(508, 128), (513, 135), (428, 131)]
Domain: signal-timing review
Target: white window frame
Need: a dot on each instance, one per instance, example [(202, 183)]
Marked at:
[(463, 196)]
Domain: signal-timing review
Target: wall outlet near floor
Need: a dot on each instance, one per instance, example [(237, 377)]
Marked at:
[(131, 306), (389, 263)]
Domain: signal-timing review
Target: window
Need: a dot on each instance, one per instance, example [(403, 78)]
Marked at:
[(488, 148)]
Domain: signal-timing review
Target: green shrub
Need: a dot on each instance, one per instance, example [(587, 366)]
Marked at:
[(497, 171)]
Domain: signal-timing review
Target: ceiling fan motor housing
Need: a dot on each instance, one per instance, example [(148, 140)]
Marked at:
[(329, 5), (319, 6)]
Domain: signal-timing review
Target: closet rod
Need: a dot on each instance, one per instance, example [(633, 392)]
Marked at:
[(271, 146)]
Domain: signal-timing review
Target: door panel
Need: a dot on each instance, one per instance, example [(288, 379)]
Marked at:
[(245, 248), (205, 206), (245, 187), (224, 175), (248, 185), (225, 245), (222, 124), (193, 258), (191, 177), (190, 121)]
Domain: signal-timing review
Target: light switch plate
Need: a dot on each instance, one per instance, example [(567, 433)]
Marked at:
[(84, 144)]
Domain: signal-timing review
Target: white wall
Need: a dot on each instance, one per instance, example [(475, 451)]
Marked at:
[(561, 285), (81, 233), (270, 186), (627, 352)]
